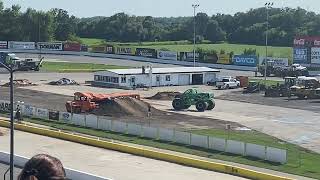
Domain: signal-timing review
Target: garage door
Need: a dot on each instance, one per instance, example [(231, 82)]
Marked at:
[(197, 79), (184, 79)]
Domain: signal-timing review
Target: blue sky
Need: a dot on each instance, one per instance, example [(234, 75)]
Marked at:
[(168, 8)]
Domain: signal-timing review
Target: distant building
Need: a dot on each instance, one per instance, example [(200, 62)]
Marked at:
[(139, 77)]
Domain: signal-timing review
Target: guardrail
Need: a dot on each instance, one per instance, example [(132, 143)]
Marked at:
[(138, 58), (170, 135), (20, 161)]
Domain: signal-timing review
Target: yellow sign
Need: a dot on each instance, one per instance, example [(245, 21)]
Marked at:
[(224, 59)]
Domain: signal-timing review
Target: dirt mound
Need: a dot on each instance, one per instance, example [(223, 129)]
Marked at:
[(164, 95), (126, 107), (20, 83)]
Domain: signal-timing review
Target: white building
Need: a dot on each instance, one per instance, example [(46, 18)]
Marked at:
[(130, 78)]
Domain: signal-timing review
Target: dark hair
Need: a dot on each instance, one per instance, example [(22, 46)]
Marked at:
[(43, 167)]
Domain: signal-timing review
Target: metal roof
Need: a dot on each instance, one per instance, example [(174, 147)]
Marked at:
[(162, 70)]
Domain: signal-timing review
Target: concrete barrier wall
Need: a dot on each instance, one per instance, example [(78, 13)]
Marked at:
[(20, 161), (138, 58), (208, 142), (184, 160)]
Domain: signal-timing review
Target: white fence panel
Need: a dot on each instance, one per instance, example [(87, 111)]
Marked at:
[(166, 134), (119, 127), (104, 124), (235, 147), (92, 121), (78, 119), (217, 144), (134, 129), (276, 155), (42, 113), (255, 150), (199, 141), (150, 132), (182, 137), (5, 106), (29, 111), (65, 117)]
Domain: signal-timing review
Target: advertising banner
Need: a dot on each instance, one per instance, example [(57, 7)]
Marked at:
[(54, 115), (277, 62), (21, 45), (125, 51), (167, 55), (300, 55), (29, 110), (223, 59), (42, 113), (3, 45), (244, 60), (72, 47), (315, 55), (84, 48), (5, 106), (99, 49), (188, 56), (146, 52), (65, 116), (53, 46), (110, 49), (307, 41)]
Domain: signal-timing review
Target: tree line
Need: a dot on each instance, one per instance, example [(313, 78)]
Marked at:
[(241, 28)]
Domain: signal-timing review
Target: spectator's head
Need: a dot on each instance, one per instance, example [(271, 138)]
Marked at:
[(43, 167)]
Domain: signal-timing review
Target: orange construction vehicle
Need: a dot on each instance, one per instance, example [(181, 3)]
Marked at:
[(87, 102)]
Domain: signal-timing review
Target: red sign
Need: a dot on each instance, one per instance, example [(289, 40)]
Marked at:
[(307, 41), (71, 47)]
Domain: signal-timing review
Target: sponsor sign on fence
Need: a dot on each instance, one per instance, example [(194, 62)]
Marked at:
[(277, 62), (243, 60), (307, 41), (167, 55), (315, 55), (146, 52), (223, 59), (125, 51), (54, 115), (3, 44), (5, 106), (300, 55), (188, 56), (110, 49), (99, 49), (21, 45), (52, 46), (72, 47)]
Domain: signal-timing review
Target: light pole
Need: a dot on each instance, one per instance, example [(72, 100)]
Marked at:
[(194, 33), (11, 70), (268, 6)]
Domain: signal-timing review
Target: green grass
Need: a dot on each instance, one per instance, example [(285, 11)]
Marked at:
[(77, 67), (236, 48), (300, 161), (92, 41)]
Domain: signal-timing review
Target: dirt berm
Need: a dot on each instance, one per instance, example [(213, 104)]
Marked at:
[(164, 96), (126, 107)]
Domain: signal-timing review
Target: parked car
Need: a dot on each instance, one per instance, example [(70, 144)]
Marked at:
[(227, 83)]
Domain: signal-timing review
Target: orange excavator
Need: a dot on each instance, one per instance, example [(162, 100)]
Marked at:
[(87, 101)]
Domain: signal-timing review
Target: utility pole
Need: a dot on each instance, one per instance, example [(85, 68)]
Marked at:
[(11, 70), (194, 33), (268, 6)]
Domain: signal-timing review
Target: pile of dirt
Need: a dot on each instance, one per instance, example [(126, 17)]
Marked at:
[(164, 95), (20, 83), (126, 107)]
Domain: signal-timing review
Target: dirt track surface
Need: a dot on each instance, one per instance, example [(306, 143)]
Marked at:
[(37, 98), (258, 98), (125, 111)]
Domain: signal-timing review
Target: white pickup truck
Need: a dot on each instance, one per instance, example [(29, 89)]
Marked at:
[(227, 83)]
